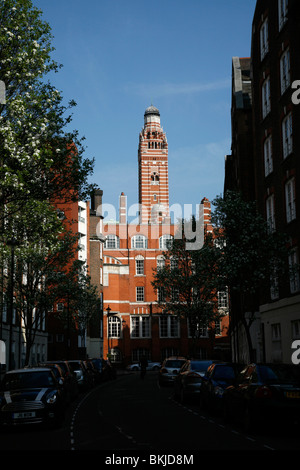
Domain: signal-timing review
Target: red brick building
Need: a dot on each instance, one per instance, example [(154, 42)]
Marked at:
[(133, 322)]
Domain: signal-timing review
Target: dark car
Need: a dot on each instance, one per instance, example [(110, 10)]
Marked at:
[(189, 379), (217, 378), (31, 396), (264, 393), (81, 373), (104, 368), (70, 382)]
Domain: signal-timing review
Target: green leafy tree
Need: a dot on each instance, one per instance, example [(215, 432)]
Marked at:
[(187, 283), (251, 254), (40, 158)]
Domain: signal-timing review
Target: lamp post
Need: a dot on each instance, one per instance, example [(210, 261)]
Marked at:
[(108, 310), (12, 243)]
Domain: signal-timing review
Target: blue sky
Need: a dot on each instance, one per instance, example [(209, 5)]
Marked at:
[(119, 56)]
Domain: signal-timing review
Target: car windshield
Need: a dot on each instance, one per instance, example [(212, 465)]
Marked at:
[(200, 366), (174, 363), (280, 373), (39, 379), (224, 372)]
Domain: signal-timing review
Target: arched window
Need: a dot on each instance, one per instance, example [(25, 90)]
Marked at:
[(165, 242), (114, 327), (155, 178), (112, 241), (139, 242)]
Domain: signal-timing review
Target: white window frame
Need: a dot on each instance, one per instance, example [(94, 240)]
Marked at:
[(268, 156), (266, 97), (223, 299), (139, 242), (140, 326), (140, 294), (282, 13), (285, 76), (287, 135), (270, 211), (139, 266), (169, 326), (294, 272), (112, 242), (114, 327), (264, 39), (165, 242), (290, 200)]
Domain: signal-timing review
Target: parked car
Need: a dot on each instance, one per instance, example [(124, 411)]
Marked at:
[(217, 378), (189, 379), (70, 382), (169, 370), (151, 366), (92, 372), (31, 396), (83, 377), (264, 393)]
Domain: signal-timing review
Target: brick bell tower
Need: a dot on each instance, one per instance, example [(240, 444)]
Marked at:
[(153, 170)]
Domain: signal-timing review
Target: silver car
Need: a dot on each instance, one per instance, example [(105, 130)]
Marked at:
[(169, 370), (151, 366)]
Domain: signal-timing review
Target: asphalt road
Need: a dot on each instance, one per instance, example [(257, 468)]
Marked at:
[(133, 417)]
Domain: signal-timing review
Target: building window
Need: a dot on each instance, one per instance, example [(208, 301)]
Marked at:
[(195, 330), (270, 211), (137, 354), (155, 178), (140, 326), (168, 327), (161, 296), (114, 327), (139, 266), (282, 12), (168, 352), (295, 329), (175, 294), (140, 294), (285, 71), (274, 281), (139, 242), (266, 97), (165, 242), (268, 158), (287, 135), (264, 39), (290, 200), (160, 262), (223, 299), (112, 242), (294, 271)]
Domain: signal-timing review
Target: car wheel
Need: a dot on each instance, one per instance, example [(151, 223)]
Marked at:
[(135, 369), (155, 368)]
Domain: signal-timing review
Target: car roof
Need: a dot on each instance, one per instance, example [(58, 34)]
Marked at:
[(175, 357)]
